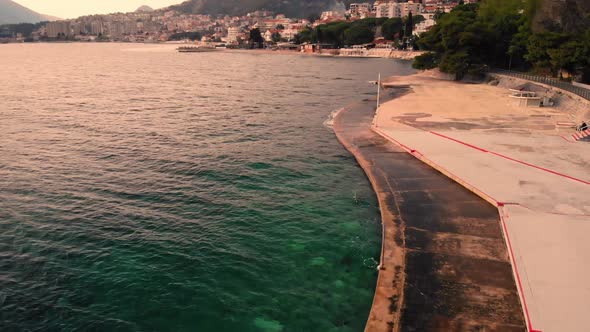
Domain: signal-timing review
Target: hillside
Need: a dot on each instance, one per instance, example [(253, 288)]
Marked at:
[(11, 13), (570, 15), (144, 9), (291, 8)]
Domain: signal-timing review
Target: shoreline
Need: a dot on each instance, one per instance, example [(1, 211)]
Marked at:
[(387, 231), (423, 217), (378, 54), (391, 54)]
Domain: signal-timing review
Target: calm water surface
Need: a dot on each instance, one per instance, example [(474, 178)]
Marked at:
[(146, 190)]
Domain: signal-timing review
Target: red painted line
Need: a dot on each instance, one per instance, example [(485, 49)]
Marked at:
[(579, 135), (438, 167), (501, 213), (507, 203), (541, 168), (567, 140), (517, 274), (514, 160), (400, 144), (460, 142)]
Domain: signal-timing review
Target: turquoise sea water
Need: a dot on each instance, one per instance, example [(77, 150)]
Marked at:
[(146, 190)]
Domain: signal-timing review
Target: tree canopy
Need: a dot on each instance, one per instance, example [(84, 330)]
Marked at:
[(192, 35), (503, 33), (26, 29), (256, 38), (363, 31)]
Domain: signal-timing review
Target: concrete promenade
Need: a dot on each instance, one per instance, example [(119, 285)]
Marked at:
[(444, 265), (515, 159)]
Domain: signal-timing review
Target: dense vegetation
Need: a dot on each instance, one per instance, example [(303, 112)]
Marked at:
[(511, 34), (291, 8), (256, 39), (26, 29), (363, 31), (192, 35)]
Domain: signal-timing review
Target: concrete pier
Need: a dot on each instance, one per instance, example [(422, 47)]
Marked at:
[(445, 265)]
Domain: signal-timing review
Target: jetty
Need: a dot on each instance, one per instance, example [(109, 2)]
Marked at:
[(444, 265)]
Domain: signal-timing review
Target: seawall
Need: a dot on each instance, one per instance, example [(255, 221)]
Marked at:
[(444, 265)]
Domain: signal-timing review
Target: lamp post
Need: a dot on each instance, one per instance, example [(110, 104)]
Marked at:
[(378, 89)]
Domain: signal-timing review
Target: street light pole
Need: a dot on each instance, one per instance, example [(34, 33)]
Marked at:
[(378, 89)]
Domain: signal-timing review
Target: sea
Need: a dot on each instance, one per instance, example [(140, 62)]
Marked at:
[(142, 189)]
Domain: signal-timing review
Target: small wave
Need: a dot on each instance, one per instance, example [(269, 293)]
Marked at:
[(329, 123)]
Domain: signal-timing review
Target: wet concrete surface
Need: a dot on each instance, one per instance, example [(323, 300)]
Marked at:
[(446, 266)]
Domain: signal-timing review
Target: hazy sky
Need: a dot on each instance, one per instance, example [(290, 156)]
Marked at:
[(75, 8)]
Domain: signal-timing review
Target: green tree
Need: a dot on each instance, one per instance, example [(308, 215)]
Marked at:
[(392, 28), (509, 34), (438, 14), (193, 35), (458, 43), (571, 56), (276, 37), (256, 39), (428, 60), (304, 36), (318, 36), (538, 47), (358, 35), (418, 18), (409, 25)]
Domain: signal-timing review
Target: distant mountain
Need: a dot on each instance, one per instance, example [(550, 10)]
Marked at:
[(11, 13), (291, 8), (144, 9)]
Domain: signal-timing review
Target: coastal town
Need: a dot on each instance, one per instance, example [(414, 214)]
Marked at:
[(476, 152), (146, 25)]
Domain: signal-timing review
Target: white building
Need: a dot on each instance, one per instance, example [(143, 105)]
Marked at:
[(424, 26), (360, 9), (267, 36), (332, 15), (96, 28), (396, 9), (57, 28), (381, 9), (232, 34), (409, 7), (289, 33)]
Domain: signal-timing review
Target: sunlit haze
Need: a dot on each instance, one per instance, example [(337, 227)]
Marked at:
[(75, 8)]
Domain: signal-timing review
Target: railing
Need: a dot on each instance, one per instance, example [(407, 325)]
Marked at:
[(582, 92)]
